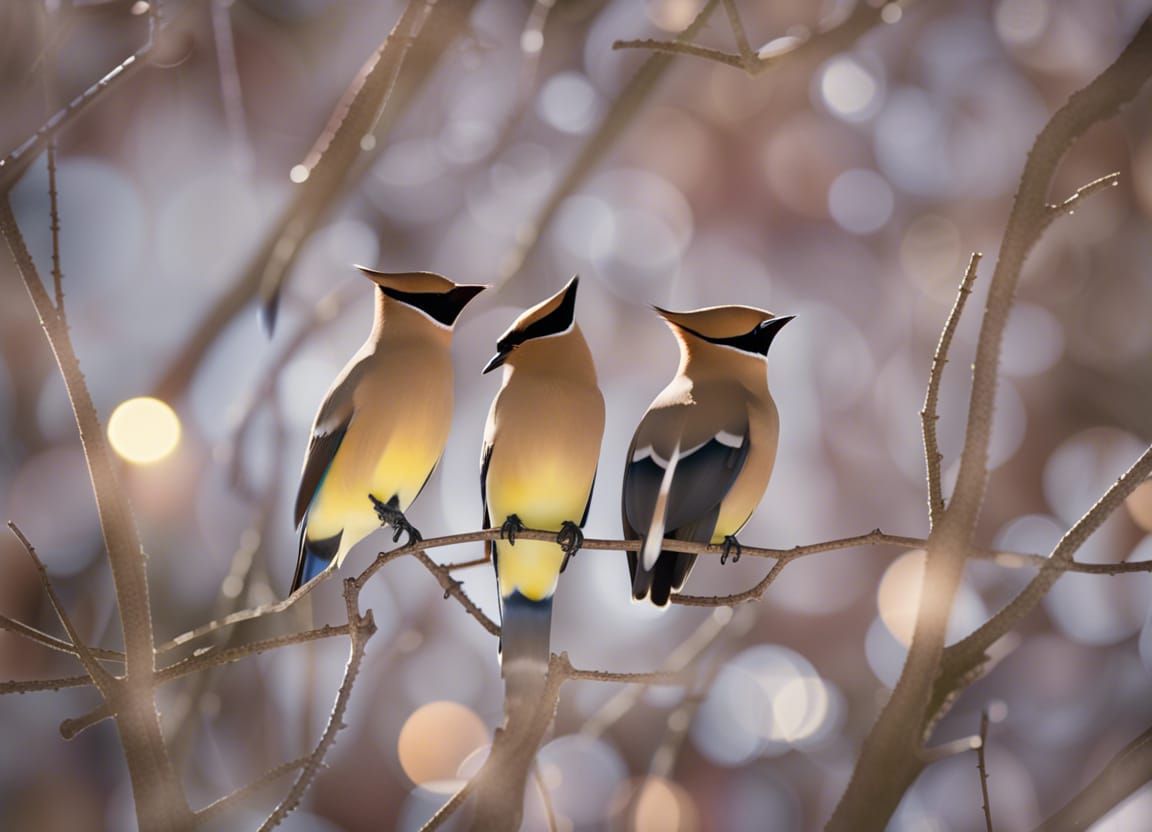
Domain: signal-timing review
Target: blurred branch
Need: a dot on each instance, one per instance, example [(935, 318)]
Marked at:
[(703, 637), (836, 38), (354, 136), (531, 48), (15, 164), (545, 799), (889, 761), (663, 763), (929, 416), (159, 795), (1129, 770), (982, 767), (619, 117)]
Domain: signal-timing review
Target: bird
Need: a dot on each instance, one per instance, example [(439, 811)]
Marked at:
[(702, 456), (383, 424), (537, 469)]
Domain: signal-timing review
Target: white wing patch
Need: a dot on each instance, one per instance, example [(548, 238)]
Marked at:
[(730, 439), (655, 536)]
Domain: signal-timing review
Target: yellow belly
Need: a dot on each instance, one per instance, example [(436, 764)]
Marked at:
[(397, 467), (543, 496)]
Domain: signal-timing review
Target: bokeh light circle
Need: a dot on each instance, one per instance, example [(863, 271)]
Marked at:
[(144, 430)]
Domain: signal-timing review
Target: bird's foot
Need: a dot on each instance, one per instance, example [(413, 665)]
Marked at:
[(512, 527), (570, 538), (731, 547), (392, 516)]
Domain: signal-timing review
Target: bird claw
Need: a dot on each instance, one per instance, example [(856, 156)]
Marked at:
[(730, 544), (512, 526), (570, 538), (391, 516)]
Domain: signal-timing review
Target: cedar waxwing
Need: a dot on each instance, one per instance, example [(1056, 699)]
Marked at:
[(541, 450), (382, 426), (703, 454)]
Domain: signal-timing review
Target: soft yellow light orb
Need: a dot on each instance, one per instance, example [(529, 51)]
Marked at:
[(664, 806), (144, 430), (435, 741)]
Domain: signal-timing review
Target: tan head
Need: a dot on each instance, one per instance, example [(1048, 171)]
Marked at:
[(436, 298), (744, 329), (545, 321)]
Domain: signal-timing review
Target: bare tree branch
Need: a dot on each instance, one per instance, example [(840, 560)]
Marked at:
[(837, 38), (99, 676), (1130, 769), (967, 653), (362, 628), (159, 795), (32, 634), (889, 763), (929, 416), (982, 767), (230, 801), (14, 165), (353, 137), (616, 120)]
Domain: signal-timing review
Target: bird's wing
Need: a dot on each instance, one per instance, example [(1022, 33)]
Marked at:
[(485, 461), (680, 469), (328, 431)]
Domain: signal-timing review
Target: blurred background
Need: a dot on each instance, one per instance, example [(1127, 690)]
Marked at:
[(848, 191)]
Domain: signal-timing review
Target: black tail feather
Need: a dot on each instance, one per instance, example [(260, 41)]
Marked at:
[(525, 647)]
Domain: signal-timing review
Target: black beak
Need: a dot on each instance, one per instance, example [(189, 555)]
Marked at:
[(777, 324), (495, 361)]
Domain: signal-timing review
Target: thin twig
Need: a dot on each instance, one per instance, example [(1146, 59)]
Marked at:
[(32, 634), (982, 767), (103, 680), (70, 728), (54, 226), (966, 653), (16, 163), (225, 804), (929, 415)]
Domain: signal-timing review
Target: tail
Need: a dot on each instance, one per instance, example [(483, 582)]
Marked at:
[(666, 576), (315, 555), (656, 578), (526, 627)]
